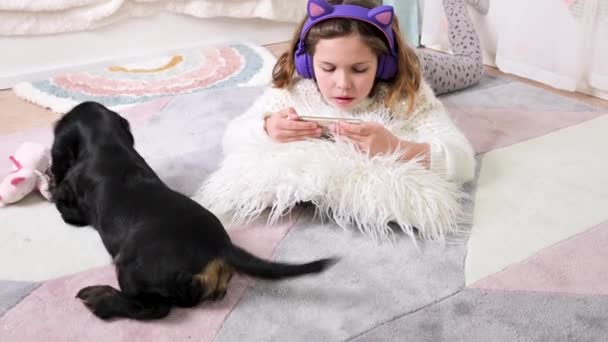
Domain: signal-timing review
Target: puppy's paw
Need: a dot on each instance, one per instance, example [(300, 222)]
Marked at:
[(98, 299)]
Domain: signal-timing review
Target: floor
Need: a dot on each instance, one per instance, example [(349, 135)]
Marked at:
[(16, 114), (538, 230)]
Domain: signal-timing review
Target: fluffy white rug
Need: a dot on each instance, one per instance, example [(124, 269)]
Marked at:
[(18, 17)]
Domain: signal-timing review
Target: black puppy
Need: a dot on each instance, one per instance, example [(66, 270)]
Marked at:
[(168, 250)]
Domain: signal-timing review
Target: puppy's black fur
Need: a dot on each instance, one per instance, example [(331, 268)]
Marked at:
[(168, 250)]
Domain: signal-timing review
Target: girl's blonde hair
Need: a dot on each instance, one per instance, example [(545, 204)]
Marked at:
[(407, 80)]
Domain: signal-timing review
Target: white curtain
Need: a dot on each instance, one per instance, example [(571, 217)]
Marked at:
[(562, 43)]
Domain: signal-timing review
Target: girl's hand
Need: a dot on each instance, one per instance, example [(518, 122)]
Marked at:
[(285, 126), (373, 138)]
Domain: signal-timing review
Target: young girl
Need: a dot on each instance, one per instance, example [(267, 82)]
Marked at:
[(401, 164)]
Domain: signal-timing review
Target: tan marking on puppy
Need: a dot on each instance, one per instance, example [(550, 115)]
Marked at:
[(214, 278), (224, 279)]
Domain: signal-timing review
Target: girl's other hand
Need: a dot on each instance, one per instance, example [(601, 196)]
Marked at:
[(375, 139)]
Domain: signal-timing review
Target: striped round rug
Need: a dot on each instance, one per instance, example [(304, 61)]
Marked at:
[(122, 85)]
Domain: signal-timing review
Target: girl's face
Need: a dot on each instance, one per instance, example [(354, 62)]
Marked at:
[(345, 70)]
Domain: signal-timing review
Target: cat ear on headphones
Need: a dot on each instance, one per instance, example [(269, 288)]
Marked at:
[(318, 8), (382, 15)]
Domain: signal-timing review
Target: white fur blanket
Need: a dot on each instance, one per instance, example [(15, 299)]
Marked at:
[(344, 184), (18, 17)]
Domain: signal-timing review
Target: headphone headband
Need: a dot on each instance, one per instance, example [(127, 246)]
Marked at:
[(381, 17)]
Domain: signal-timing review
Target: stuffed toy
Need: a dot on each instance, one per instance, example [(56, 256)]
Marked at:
[(31, 163)]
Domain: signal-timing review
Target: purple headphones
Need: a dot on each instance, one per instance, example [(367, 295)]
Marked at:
[(381, 17)]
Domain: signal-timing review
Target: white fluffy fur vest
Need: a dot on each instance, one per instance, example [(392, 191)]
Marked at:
[(353, 189)]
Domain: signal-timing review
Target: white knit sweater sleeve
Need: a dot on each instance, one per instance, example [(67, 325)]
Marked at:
[(249, 126), (451, 152)]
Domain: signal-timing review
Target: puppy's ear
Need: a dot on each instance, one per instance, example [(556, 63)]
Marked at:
[(67, 203), (65, 149), (124, 123)]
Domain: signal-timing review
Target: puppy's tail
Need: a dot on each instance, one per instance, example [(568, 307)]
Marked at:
[(247, 263)]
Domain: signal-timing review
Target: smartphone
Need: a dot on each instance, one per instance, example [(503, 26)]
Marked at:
[(325, 122)]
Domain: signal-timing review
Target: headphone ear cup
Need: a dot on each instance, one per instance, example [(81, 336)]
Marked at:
[(387, 67), (310, 66), (299, 62), (380, 70), (303, 64)]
